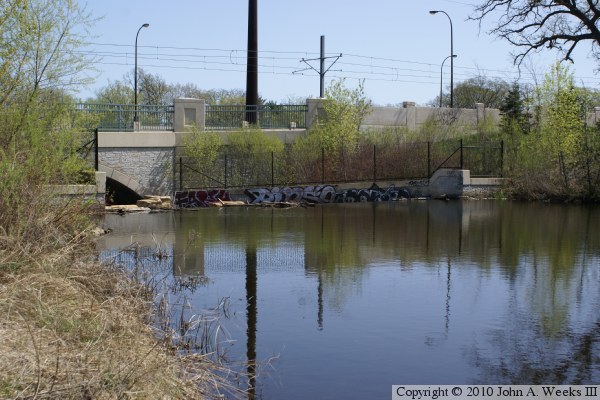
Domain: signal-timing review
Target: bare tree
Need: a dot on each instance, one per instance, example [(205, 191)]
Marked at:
[(532, 25)]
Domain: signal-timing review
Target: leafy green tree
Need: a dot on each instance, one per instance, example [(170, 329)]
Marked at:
[(249, 152), (336, 132), (153, 89), (37, 146), (204, 152), (190, 90), (12, 57), (229, 96), (38, 54), (562, 118), (344, 110), (478, 89), (116, 92), (555, 160)]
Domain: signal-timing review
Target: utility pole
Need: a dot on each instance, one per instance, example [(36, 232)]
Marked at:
[(322, 71), (252, 64)]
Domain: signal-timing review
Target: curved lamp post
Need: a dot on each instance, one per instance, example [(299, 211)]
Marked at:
[(433, 12), (135, 74), (442, 77)]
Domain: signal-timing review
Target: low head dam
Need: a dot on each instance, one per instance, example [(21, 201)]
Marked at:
[(140, 164), (142, 158)]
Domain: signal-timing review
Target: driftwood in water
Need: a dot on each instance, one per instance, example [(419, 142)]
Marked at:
[(227, 203), (272, 204), (286, 204)]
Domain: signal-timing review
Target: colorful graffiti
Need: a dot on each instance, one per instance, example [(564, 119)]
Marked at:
[(325, 194), (374, 193), (199, 198), (311, 194)]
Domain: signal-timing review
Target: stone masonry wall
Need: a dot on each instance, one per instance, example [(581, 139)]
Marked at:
[(150, 167)]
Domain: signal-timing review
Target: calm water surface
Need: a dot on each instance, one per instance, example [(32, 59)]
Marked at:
[(346, 300)]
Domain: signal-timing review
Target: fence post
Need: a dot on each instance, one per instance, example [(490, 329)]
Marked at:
[(225, 169), (502, 158), (429, 159), (461, 154), (272, 169), (322, 165), (181, 173), (96, 149), (374, 163)]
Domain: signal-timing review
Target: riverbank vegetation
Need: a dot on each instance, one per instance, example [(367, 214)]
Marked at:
[(552, 140), (70, 327)]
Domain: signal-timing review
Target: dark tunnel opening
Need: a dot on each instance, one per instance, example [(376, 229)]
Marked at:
[(117, 193)]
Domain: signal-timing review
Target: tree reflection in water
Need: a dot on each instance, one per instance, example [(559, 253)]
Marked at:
[(542, 261)]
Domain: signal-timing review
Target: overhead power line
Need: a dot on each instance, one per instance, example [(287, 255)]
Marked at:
[(353, 66)]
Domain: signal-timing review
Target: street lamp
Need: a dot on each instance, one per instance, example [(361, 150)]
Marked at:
[(442, 76), (433, 12), (135, 90)]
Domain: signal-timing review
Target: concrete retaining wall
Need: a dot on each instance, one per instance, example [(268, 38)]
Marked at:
[(88, 192), (412, 117)]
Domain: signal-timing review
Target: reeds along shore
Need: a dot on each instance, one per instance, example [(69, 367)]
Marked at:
[(71, 328)]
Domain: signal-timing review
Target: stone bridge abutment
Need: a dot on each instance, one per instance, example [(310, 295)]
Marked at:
[(141, 161)]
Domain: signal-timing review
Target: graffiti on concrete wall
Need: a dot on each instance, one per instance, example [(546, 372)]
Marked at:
[(199, 198), (422, 182), (374, 193), (325, 194), (311, 194)]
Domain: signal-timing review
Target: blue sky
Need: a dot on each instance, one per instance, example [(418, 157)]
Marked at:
[(396, 46)]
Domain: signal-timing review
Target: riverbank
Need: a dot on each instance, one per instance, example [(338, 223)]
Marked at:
[(72, 328)]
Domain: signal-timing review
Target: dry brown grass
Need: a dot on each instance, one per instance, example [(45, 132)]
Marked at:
[(71, 328)]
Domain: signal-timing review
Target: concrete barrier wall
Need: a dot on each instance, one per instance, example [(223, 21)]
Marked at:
[(413, 118), (387, 117), (189, 113), (95, 191)]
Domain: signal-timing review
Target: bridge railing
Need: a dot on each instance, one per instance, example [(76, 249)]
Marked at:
[(226, 117), (120, 117)]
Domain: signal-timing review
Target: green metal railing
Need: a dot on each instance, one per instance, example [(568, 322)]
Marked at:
[(120, 117), (222, 117)]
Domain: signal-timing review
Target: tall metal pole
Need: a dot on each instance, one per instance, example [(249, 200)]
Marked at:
[(451, 54), (442, 78), (252, 64), (322, 69), (135, 74)]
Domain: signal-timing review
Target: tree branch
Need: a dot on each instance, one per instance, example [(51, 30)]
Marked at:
[(536, 24)]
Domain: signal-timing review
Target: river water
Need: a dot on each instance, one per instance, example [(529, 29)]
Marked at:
[(343, 301)]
